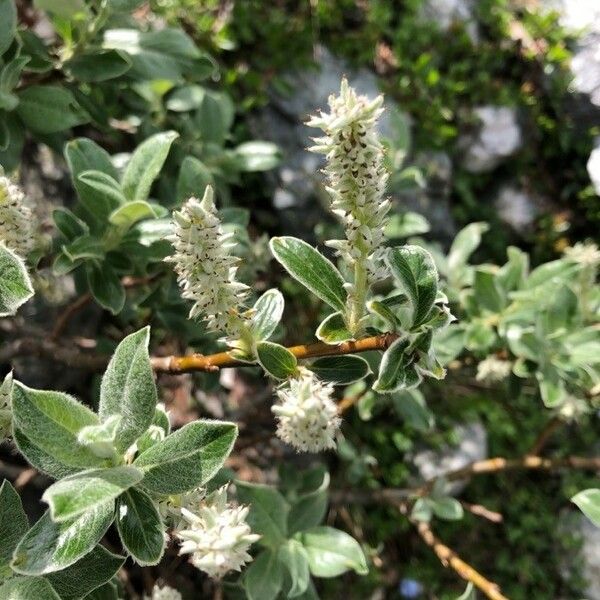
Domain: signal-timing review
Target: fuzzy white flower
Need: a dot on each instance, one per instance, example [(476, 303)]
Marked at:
[(306, 413), (216, 535), (16, 219), (205, 268), (356, 175), (492, 369), (584, 253), (163, 593)]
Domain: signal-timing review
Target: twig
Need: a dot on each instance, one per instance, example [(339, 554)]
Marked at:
[(46, 348), (542, 439), (491, 465), (82, 301), (449, 558), (214, 362), (481, 511), (494, 465), (67, 315)]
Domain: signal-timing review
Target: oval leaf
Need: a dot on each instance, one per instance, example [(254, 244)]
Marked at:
[(415, 272), (588, 502), (51, 421), (13, 523), (145, 165), (332, 552), (48, 546), (15, 284), (276, 360), (311, 269), (79, 493), (341, 370), (27, 588), (187, 458), (268, 311), (140, 527), (128, 388), (333, 330), (93, 570)]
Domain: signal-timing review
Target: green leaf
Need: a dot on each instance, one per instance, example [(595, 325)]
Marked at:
[(145, 165), (268, 512), (186, 98), (103, 183), (263, 579), (140, 527), (268, 311), (341, 370), (108, 591), (79, 493), (51, 421), (15, 285), (68, 224), (165, 54), (28, 588), (128, 388), (333, 330), (187, 458), (295, 559), (410, 406), (276, 360), (447, 508), (13, 525), (127, 215), (396, 369), (588, 502), (311, 269), (464, 244), (8, 24), (469, 593), (49, 109), (193, 178), (406, 225), (66, 9), (87, 574), (48, 546), (106, 287), (40, 459), (98, 65), (84, 155), (309, 509), (486, 291), (257, 156), (415, 272), (215, 117), (332, 552)]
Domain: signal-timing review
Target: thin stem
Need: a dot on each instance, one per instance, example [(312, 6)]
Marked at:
[(214, 362), (449, 558), (358, 298)]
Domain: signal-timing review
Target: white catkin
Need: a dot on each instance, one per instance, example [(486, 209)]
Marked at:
[(16, 219), (215, 534), (163, 593), (356, 176), (307, 416), (493, 369), (206, 271)]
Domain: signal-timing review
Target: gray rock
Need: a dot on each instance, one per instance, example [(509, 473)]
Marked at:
[(472, 447), (590, 553), (518, 207), (497, 137), (582, 16), (593, 166), (445, 13)]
